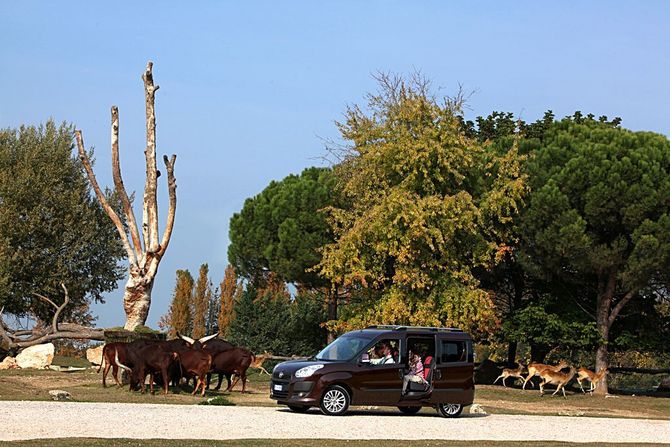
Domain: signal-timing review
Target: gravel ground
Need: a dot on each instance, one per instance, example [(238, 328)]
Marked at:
[(31, 420)]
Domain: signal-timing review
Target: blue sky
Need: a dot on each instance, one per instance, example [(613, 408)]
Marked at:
[(250, 89)]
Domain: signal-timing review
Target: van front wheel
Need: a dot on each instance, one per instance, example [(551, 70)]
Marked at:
[(450, 410), (335, 401)]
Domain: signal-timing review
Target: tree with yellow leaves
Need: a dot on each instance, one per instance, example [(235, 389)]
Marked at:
[(425, 205), (228, 290)]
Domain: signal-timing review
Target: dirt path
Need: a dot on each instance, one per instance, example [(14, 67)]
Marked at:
[(30, 420)]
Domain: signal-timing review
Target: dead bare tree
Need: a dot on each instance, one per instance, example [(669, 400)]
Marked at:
[(144, 255), (43, 333)]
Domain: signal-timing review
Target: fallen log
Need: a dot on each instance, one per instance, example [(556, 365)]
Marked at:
[(18, 339)]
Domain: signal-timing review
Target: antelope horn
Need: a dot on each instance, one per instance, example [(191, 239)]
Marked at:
[(204, 340), (116, 359), (185, 338)]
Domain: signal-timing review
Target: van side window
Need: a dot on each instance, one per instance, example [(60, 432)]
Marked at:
[(453, 351)]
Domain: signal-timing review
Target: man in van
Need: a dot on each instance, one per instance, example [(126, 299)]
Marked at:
[(386, 355)]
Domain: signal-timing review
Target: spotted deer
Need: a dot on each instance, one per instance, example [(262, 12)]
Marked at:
[(593, 378), (512, 372), (534, 369), (559, 379)]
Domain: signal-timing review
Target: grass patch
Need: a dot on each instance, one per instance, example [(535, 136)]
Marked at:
[(217, 400), (97, 442), (77, 362)]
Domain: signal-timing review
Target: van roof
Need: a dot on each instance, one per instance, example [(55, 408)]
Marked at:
[(415, 328)]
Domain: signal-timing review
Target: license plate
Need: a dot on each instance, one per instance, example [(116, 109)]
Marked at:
[(278, 387)]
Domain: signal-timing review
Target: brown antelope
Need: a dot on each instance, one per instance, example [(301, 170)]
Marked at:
[(593, 378), (534, 369), (259, 360), (559, 379), (511, 372)]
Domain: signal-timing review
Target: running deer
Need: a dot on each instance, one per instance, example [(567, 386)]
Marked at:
[(258, 362), (534, 369), (511, 372), (594, 378), (559, 379)]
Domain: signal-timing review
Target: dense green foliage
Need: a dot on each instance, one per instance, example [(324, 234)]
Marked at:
[(278, 325), (52, 230), (599, 214), (281, 229)]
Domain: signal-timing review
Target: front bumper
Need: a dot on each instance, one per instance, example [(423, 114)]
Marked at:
[(293, 392)]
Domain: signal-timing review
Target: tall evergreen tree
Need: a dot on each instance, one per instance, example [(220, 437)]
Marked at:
[(180, 319), (599, 214), (201, 303), (214, 310)]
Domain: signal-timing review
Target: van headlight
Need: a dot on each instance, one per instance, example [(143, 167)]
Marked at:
[(307, 371)]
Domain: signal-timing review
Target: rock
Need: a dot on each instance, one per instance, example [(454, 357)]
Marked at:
[(571, 413), (477, 409), (9, 363), (38, 356), (60, 395), (94, 355)]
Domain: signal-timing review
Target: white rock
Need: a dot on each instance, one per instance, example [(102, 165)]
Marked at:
[(38, 356), (94, 355), (8, 363), (571, 413), (477, 409), (60, 395)]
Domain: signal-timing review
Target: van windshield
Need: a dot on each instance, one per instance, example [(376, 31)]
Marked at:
[(344, 348)]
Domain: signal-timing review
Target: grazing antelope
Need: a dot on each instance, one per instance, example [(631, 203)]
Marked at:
[(594, 378), (559, 379), (511, 372), (534, 369)]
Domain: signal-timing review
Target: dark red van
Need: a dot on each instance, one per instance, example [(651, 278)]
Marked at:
[(367, 367)]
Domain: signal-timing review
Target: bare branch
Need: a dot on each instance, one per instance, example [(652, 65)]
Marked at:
[(46, 299), (59, 309), (172, 207), (54, 332), (102, 199), (615, 311), (3, 332), (150, 211), (120, 188)]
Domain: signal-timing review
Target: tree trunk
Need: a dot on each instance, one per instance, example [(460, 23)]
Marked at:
[(331, 295), (511, 353), (606, 288), (538, 353), (136, 301)]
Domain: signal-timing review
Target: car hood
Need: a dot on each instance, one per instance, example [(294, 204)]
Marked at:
[(288, 369)]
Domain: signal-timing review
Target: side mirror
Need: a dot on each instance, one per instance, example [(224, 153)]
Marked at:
[(365, 358)]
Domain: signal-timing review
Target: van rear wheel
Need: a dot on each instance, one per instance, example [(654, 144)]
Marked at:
[(335, 401), (410, 410), (450, 410)]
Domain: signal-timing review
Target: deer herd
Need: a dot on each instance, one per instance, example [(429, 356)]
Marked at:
[(553, 375)]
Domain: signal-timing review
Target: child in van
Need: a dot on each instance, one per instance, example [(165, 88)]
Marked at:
[(415, 372)]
